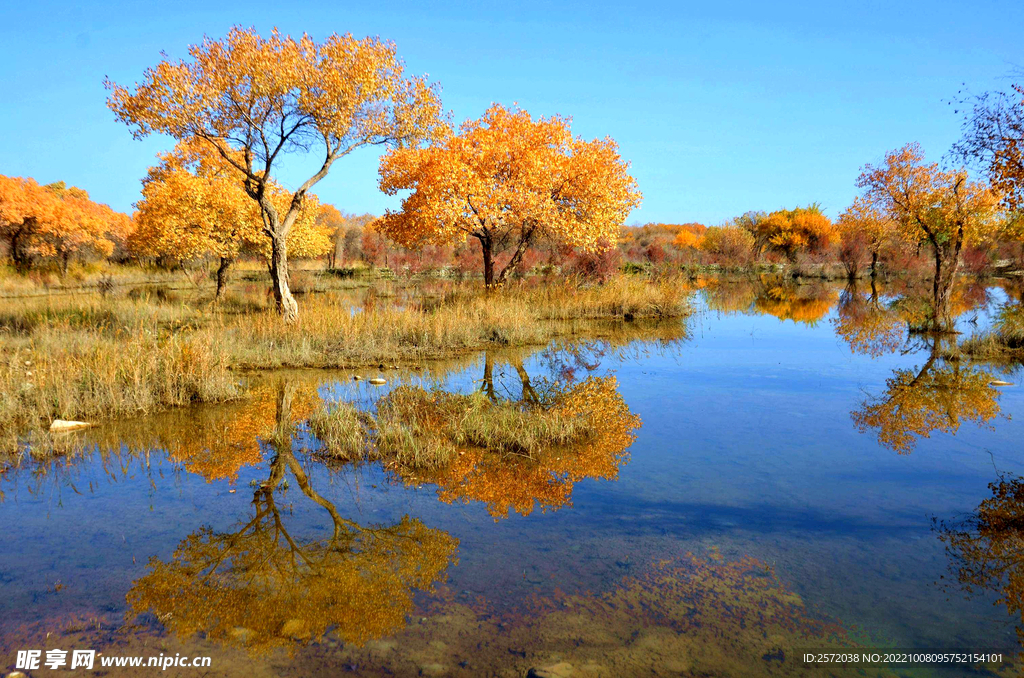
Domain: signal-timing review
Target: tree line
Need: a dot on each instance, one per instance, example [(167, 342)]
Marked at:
[(497, 195)]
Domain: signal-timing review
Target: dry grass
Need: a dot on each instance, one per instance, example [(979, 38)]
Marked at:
[(67, 374), (89, 357), (1005, 342), (341, 426), (82, 277), (419, 428), (330, 333)]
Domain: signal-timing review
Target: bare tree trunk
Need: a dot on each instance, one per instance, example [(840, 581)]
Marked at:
[(942, 286), (517, 256), (485, 245), (286, 304), (222, 274), (529, 393), (874, 263), (18, 256)]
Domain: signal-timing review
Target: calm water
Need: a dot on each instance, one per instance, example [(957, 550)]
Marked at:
[(805, 475)]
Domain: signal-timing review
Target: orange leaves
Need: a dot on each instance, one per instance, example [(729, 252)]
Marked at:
[(926, 203), (939, 397), (792, 231), (866, 219), (253, 99), (55, 221), (509, 178), (686, 239), (342, 91), (195, 205)]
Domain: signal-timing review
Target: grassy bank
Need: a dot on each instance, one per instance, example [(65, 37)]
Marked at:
[(1004, 342), (97, 358), (331, 333)]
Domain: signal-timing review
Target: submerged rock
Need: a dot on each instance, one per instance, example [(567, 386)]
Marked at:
[(357, 378), (67, 425), (1000, 382), (433, 670), (377, 381), (559, 670)]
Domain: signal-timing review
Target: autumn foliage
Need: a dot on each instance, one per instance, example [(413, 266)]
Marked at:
[(253, 99), (994, 137), (56, 222), (508, 180), (942, 209), (194, 206)]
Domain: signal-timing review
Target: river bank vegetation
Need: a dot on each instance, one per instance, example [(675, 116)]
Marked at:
[(102, 357)]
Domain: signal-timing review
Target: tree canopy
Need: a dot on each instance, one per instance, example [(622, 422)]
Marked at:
[(56, 222), (944, 209), (506, 180), (255, 99)]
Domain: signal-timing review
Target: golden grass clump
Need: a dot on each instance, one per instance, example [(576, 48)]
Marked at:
[(417, 428), (333, 333), (64, 374)]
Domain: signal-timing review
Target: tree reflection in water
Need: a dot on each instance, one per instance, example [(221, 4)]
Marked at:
[(986, 548), (945, 391), (867, 324), (774, 296), (938, 396), (511, 447), (262, 587)]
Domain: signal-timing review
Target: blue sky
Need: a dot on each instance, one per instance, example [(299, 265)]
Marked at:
[(720, 107)]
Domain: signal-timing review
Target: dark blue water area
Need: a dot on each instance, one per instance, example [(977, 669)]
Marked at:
[(747, 447)]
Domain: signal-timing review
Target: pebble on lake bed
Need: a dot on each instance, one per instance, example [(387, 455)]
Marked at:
[(66, 425), (357, 378), (377, 381)]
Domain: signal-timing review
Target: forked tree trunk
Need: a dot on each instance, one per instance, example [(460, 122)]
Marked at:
[(946, 263), (517, 256)]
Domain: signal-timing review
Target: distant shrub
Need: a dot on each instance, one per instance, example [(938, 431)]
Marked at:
[(974, 260), (728, 245), (595, 266)]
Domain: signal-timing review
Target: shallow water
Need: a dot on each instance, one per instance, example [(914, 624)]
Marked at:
[(824, 508)]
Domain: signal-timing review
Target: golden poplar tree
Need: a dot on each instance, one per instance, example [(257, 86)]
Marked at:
[(194, 205), (255, 99), (507, 180), (943, 209)]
